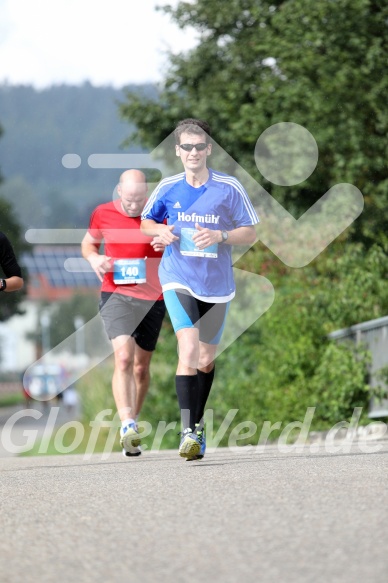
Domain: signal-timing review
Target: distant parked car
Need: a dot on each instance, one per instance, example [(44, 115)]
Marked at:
[(45, 381)]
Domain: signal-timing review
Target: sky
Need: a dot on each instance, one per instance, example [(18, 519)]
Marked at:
[(105, 42)]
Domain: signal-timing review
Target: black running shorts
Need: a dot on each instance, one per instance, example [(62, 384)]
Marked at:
[(127, 316)]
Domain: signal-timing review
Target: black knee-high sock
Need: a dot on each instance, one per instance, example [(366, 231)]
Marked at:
[(187, 393), (205, 381)]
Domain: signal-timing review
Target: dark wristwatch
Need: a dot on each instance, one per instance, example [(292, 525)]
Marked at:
[(3, 284), (225, 236)]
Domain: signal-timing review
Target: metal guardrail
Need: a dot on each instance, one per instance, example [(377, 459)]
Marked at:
[(374, 334)]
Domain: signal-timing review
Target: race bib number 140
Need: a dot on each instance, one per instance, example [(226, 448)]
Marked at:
[(127, 271)]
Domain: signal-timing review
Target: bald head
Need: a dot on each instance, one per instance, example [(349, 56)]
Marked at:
[(136, 176), (132, 190)]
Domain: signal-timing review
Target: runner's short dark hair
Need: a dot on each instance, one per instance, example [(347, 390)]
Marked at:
[(191, 126)]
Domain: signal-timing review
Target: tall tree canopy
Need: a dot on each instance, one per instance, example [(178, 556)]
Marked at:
[(318, 63)]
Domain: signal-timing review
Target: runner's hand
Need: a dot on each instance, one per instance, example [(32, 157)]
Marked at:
[(205, 237), (101, 264), (157, 244), (166, 236)]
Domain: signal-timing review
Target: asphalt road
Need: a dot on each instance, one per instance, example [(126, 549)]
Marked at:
[(298, 516)]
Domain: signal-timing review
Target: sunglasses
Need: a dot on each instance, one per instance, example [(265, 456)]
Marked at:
[(188, 147)]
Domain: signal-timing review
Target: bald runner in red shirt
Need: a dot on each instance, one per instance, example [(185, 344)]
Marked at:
[(131, 305)]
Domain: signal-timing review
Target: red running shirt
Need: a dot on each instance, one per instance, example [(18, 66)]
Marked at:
[(123, 240)]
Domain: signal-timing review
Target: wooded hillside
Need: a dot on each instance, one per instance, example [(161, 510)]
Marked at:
[(39, 128)]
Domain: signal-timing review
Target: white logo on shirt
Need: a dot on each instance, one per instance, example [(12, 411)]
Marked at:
[(194, 218), (177, 205)]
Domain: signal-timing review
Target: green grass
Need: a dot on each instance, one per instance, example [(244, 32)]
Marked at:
[(10, 400)]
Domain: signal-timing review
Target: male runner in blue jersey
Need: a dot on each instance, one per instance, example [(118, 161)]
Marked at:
[(206, 212)]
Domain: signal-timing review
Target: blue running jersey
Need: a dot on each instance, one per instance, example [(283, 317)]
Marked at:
[(222, 204)]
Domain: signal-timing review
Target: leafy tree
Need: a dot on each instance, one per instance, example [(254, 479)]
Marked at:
[(24, 199), (318, 63)]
